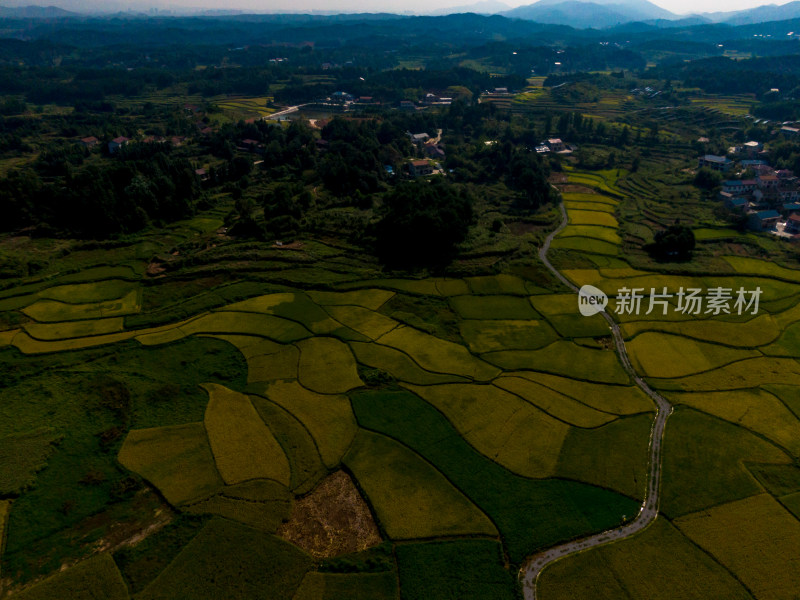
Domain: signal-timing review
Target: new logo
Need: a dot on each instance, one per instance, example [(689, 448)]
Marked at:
[(591, 300)]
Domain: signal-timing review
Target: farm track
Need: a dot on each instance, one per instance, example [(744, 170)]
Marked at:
[(649, 511)]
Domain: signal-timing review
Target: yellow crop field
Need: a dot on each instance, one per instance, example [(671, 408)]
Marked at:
[(488, 336), (28, 345), (605, 234), (367, 322), (278, 365), (583, 198), (756, 539), (590, 217), (564, 358), (755, 266), (243, 446), (756, 332), (586, 245), (177, 460), (398, 365), (6, 337), (754, 409), (519, 436), (553, 403), (274, 328), (73, 329), (89, 293), (295, 307), (665, 355), (371, 299), (745, 374), (438, 355), (616, 399), (328, 418), (327, 366), (411, 498), (668, 567), (53, 310), (593, 206)]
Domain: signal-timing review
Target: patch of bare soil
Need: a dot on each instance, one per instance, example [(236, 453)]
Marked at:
[(332, 520), (575, 189), (557, 178), (521, 228), (287, 246), (155, 268)]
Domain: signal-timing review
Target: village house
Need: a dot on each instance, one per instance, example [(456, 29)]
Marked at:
[(767, 181), (407, 105), (789, 132), (752, 149), (732, 202), (717, 163), (763, 220), (420, 168), (790, 208), (792, 224), (202, 174), (418, 138), (117, 143), (556, 145), (89, 142), (739, 187), (435, 151)]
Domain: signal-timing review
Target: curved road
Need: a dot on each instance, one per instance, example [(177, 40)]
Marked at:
[(649, 510)]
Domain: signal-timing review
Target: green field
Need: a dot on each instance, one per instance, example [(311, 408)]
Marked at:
[(232, 561), (515, 504), (668, 566), (411, 499), (704, 462), (425, 571)]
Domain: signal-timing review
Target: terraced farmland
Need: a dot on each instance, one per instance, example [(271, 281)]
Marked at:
[(729, 449), (472, 434)]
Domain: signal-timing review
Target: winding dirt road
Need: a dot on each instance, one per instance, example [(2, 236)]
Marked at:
[(649, 510)]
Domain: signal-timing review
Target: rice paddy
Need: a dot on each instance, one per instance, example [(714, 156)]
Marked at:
[(481, 418), (764, 558), (412, 499)]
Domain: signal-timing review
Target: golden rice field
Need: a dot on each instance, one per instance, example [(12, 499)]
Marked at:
[(511, 420)]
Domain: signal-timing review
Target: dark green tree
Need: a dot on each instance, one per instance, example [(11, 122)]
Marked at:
[(422, 224)]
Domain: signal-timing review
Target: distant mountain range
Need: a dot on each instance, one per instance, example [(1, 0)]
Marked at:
[(35, 12), (600, 14), (579, 14)]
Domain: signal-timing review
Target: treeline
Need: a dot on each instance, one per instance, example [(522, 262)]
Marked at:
[(98, 199), (722, 75)]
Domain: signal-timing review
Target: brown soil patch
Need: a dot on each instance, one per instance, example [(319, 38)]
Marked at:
[(289, 246), (332, 520), (520, 228), (576, 189), (155, 268), (557, 178)]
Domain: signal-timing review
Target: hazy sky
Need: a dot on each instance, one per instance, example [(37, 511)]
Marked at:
[(676, 6)]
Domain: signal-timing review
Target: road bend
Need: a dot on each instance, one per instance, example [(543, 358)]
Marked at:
[(649, 510)]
